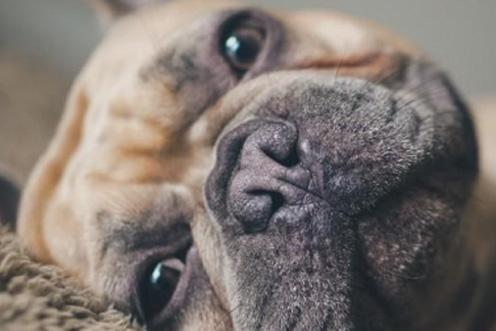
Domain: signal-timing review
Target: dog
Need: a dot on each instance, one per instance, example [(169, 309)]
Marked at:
[(222, 167)]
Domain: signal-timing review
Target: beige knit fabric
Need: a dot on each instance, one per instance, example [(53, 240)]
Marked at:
[(40, 297)]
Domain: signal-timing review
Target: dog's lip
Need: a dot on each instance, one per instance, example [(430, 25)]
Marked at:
[(179, 296)]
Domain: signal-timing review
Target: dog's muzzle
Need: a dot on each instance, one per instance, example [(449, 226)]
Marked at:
[(294, 183), (320, 144)]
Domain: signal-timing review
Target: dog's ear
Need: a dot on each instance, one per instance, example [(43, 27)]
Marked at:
[(9, 198), (108, 10)]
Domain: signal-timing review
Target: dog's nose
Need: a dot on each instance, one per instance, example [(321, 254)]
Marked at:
[(270, 176)]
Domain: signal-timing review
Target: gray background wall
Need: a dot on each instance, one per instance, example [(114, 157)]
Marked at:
[(460, 34)]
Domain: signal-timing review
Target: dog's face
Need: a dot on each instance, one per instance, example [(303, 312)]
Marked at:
[(220, 168)]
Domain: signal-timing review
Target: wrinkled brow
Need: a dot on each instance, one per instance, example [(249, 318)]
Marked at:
[(142, 235)]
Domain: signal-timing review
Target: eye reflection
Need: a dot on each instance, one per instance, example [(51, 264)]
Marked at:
[(159, 286)]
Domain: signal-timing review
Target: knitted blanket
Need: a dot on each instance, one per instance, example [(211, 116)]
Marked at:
[(39, 297)]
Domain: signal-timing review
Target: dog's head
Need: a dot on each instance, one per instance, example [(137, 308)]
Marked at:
[(221, 167)]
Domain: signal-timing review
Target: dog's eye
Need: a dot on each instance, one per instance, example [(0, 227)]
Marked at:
[(158, 286), (241, 46)]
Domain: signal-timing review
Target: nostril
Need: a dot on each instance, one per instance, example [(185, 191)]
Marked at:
[(258, 208), (292, 159), (279, 142), (288, 158), (277, 201)]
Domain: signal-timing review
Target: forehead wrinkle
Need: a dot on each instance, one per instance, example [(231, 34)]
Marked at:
[(135, 235)]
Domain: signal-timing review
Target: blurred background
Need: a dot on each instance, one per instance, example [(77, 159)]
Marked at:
[(44, 43)]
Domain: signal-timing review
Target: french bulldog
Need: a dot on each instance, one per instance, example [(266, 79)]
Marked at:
[(223, 167)]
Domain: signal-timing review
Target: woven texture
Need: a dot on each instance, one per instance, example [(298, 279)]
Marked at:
[(40, 297)]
